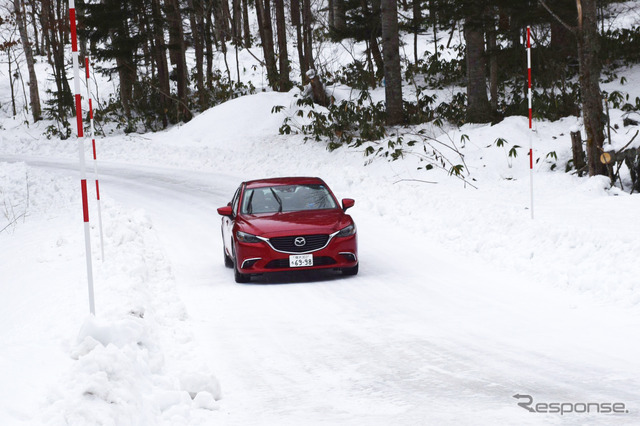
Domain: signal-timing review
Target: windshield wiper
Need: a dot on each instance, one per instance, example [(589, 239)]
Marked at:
[(277, 199)]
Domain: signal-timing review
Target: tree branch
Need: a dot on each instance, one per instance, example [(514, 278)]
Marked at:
[(557, 18)]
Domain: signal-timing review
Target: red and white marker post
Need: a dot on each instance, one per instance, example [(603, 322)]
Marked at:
[(95, 158), (530, 116), (83, 170)]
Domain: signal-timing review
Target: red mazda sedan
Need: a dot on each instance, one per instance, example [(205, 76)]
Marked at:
[(284, 224)]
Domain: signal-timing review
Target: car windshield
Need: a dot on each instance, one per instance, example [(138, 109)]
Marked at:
[(287, 198)]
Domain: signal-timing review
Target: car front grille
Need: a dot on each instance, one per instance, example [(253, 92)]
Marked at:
[(284, 263), (288, 244)]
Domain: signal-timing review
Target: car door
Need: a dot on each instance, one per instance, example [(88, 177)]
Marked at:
[(227, 223)]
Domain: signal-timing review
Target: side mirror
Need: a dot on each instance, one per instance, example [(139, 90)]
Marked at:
[(225, 211), (347, 203)]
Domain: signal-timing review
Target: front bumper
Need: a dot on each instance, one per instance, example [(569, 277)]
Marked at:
[(260, 258)]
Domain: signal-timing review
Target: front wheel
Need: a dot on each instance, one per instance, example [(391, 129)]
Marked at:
[(350, 271), (228, 262), (239, 277)]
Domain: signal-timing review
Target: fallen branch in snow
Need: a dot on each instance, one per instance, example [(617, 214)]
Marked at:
[(14, 221), (414, 180)]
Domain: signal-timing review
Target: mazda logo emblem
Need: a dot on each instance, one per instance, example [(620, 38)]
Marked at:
[(299, 241)]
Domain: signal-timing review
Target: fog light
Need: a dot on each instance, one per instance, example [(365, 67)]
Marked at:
[(249, 262), (350, 257)]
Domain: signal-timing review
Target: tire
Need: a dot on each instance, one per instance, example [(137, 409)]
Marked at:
[(350, 271), (228, 262), (239, 277)]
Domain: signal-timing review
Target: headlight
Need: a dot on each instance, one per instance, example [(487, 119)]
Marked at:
[(348, 231), (243, 237)]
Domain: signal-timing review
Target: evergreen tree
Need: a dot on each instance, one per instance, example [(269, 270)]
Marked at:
[(116, 37)]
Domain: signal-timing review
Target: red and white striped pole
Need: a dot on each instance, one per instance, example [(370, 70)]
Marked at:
[(95, 158), (530, 116), (83, 171)]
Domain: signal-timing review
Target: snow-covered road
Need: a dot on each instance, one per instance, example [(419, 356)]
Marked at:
[(422, 335)]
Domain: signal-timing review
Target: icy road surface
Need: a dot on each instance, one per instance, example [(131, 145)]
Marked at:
[(422, 335)]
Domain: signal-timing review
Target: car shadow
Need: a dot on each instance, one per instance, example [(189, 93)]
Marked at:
[(297, 277)]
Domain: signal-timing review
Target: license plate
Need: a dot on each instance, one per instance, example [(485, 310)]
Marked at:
[(300, 260)]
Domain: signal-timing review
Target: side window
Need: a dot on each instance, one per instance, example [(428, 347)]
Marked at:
[(235, 200)]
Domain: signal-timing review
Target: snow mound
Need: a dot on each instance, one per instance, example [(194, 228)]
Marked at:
[(235, 120), (130, 331), (205, 385)]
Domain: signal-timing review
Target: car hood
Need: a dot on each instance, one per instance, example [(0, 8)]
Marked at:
[(295, 223)]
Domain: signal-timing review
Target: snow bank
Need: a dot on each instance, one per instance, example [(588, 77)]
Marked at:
[(136, 360), (25, 192)]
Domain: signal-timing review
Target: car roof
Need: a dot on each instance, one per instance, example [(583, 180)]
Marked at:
[(300, 180)]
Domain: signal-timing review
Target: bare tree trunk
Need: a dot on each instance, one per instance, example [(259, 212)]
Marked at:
[(372, 69), (295, 21), (237, 21), (126, 69), (592, 114), (307, 34), (56, 57), (13, 94), (222, 30), (195, 19), (339, 17), (177, 54), (392, 71), (374, 47), (226, 13), (209, 40), (493, 66), (44, 21), (34, 96), (245, 24), (331, 15), (147, 45), (237, 32), (478, 107), (219, 25), (160, 57), (126, 85), (434, 23), (33, 13), (578, 153), (318, 94), (417, 17), (263, 8), (62, 12), (283, 55)]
